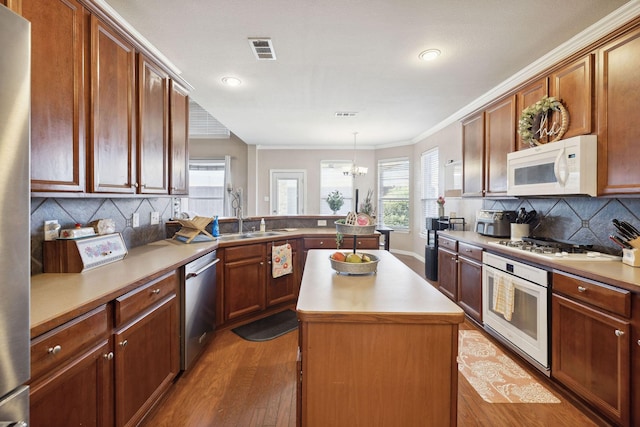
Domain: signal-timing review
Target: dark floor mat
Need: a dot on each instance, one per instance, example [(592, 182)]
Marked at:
[(269, 328)]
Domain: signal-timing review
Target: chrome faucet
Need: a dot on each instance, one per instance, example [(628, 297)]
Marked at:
[(239, 213), (237, 204)]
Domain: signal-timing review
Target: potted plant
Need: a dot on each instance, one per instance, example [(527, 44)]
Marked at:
[(440, 203), (335, 201)]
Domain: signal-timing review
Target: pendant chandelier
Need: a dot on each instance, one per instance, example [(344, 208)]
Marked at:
[(355, 170)]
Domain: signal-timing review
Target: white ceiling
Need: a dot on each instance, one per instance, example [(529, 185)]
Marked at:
[(354, 55)]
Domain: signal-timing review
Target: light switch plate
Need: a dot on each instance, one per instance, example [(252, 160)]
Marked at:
[(322, 223), (155, 218), (135, 219)]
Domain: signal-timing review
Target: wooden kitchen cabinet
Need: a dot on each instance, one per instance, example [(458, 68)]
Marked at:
[(448, 273), (460, 275), (58, 94), (245, 274), (72, 373), (284, 288), (147, 347), (469, 283), (112, 149), (526, 97), (591, 343), (329, 242), (473, 155), (573, 85), (499, 139), (618, 101), (178, 140), (153, 126)]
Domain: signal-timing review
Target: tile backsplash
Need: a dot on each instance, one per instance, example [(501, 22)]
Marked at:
[(583, 220), (71, 211)]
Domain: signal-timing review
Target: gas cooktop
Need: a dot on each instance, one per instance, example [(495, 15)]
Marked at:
[(543, 247)]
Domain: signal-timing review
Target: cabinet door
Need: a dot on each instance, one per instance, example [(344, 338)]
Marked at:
[(112, 155), (147, 359), (526, 97), (58, 94), (153, 144), (448, 273), (618, 101), (244, 284), (178, 140), (473, 155), (78, 394), (283, 288), (500, 139), (470, 287), (573, 85), (591, 356)]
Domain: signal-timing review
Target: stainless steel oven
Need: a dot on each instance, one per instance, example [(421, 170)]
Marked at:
[(515, 307)]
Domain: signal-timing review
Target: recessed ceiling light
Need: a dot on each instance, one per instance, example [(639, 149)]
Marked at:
[(429, 54), (231, 81)]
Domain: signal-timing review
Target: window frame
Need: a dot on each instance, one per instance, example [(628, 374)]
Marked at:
[(382, 198)]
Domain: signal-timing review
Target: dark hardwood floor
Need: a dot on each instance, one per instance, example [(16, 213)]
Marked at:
[(238, 383)]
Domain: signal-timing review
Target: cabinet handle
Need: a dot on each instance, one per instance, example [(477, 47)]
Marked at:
[(155, 291), (124, 343), (638, 342), (322, 243), (261, 262), (467, 250), (619, 333), (54, 350), (582, 289), (108, 356), (453, 258)]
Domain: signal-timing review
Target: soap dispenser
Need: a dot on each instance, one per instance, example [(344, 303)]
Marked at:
[(216, 227), (263, 226)]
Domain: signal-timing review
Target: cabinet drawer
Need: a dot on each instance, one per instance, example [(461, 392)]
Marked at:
[(321, 242), (133, 303), (450, 244), (470, 251), (607, 297), (65, 342), (362, 242), (243, 252)]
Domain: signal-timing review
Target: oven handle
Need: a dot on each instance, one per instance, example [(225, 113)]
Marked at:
[(206, 267)]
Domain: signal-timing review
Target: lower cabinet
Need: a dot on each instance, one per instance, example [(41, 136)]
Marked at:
[(72, 371), (591, 338), (248, 283), (460, 275), (86, 373), (329, 242)]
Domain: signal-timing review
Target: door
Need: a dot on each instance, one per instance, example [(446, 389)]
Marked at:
[(287, 192)]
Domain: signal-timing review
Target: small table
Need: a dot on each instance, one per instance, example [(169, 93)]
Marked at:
[(386, 231)]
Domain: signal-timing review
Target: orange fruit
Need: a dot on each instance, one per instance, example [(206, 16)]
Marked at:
[(338, 256)]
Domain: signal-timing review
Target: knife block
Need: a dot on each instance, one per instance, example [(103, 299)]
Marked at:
[(631, 257)]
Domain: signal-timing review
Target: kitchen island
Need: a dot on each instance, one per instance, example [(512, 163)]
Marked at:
[(375, 349)]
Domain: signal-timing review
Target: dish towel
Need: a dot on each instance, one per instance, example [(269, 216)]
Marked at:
[(503, 295), (281, 262)]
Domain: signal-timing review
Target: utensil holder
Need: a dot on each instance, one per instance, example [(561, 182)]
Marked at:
[(631, 257), (518, 231)]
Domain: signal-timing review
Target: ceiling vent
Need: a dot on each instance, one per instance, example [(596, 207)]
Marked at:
[(263, 49), (346, 114), (204, 125)]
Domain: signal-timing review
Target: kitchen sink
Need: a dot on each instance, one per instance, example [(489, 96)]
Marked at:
[(252, 235)]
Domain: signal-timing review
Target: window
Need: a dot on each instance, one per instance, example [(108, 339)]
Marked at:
[(393, 193), (207, 187), (332, 178), (429, 168)]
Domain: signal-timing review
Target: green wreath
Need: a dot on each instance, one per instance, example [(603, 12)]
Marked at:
[(533, 114)]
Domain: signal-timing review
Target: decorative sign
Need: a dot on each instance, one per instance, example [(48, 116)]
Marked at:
[(533, 126)]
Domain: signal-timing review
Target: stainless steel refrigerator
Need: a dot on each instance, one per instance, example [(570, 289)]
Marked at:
[(15, 200)]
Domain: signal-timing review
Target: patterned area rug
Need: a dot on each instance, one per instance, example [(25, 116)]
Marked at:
[(496, 377)]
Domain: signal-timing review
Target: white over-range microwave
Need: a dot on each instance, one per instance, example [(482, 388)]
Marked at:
[(567, 167)]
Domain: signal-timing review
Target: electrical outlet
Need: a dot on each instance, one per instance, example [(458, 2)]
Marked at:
[(322, 223), (135, 219), (128, 222), (155, 218)]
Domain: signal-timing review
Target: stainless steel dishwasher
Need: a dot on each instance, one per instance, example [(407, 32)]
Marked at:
[(198, 307)]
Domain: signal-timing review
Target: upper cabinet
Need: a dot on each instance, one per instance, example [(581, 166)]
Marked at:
[(527, 96), (178, 139), (153, 117), (112, 154), (573, 86), (487, 137), (618, 104), (100, 120), (58, 94)]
